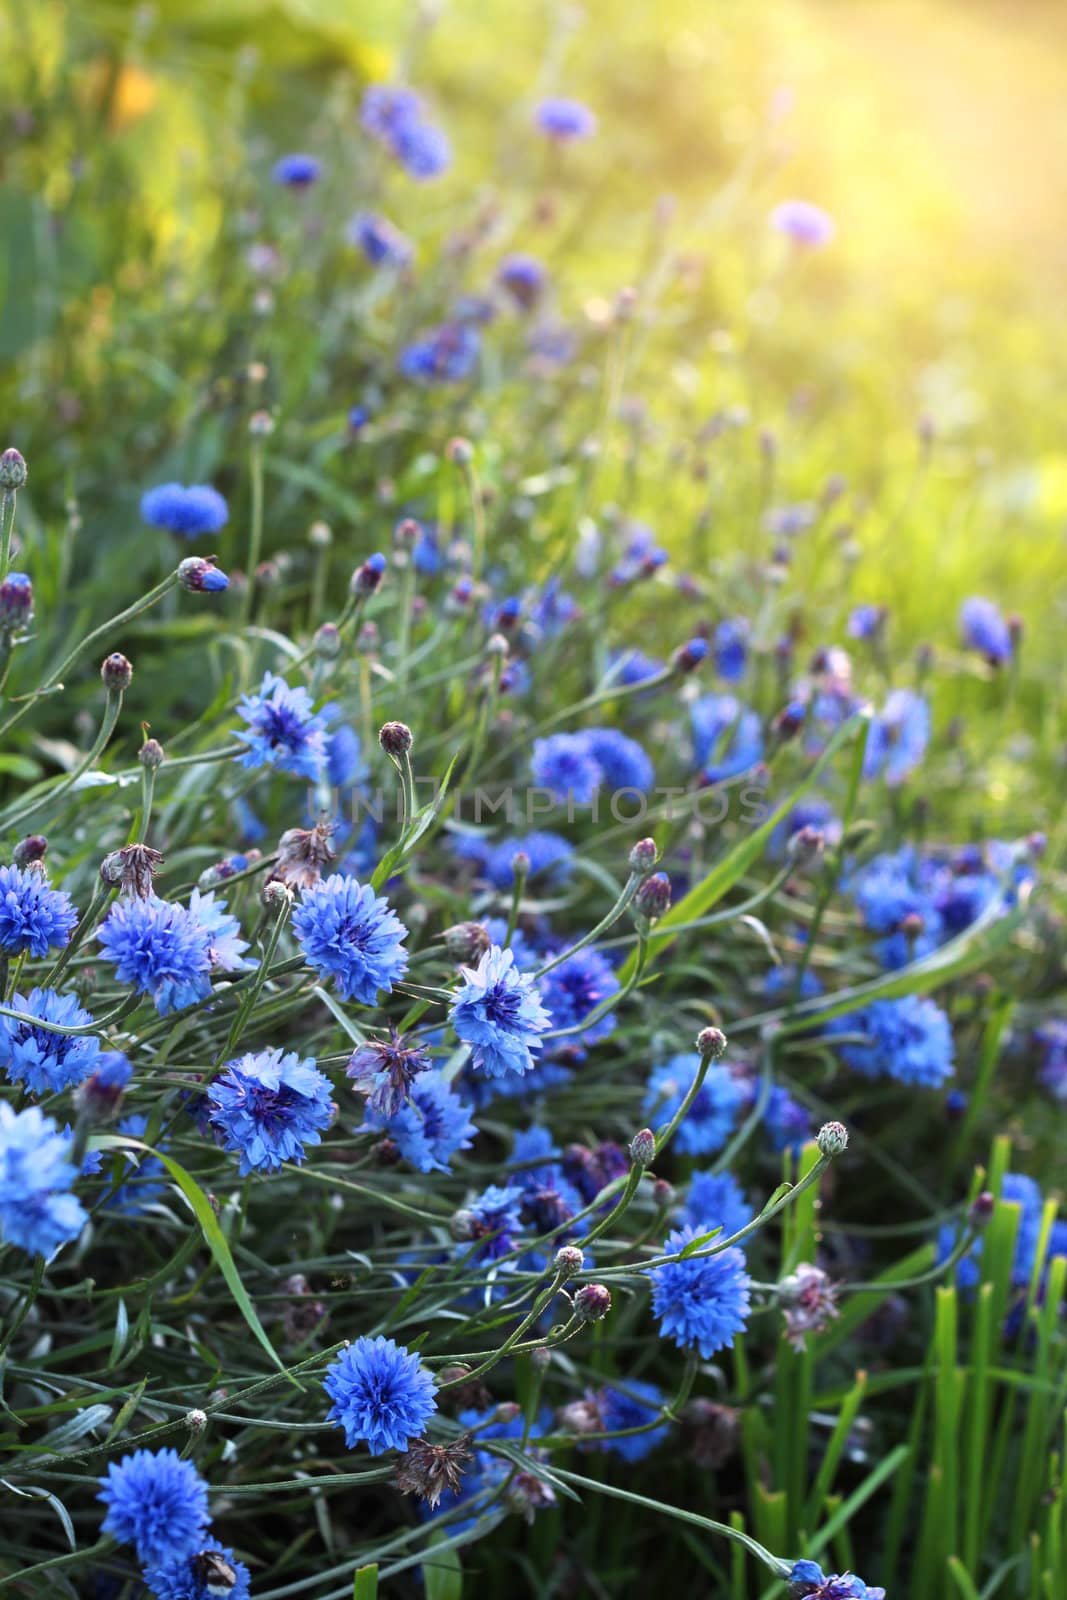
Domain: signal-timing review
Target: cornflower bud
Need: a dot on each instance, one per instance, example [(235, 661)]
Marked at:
[(116, 673)]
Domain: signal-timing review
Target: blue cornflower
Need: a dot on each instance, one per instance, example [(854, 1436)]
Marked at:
[(34, 917), (347, 932), (702, 1303), (149, 1175), (382, 1395), (631, 1407), (815, 813), (283, 730), (430, 1127), (157, 1502), (909, 1039), (804, 223), (1051, 1042), (446, 354), (45, 1061), (495, 1219), (898, 737), (296, 171), (807, 1581), (498, 1012), (1015, 1189), (787, 521), (37, 1211), (422, 150), (716, 1200), (563, 119), (783, 980), (186, 1575), (731, 649), (552, 608), (727, 738), (268, 1106), (161, 948), (573, 990), (891, 903), (631, 667), (385, 1069), (565, 766), (524, 279), (866, 621), (710, 1119), (16, 601), (387, 108), (381, 242), (641, 558), (787, 1122), (534, 1145), (225, 945), (984, 629), (189, 510), (344, 752), (547, 853), (101, 1092), (623, 763)]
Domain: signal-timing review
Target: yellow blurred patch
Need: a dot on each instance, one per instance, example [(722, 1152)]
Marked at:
[(128, 92)]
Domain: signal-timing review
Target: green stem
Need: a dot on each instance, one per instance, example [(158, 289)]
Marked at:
[(255, 529), (7, 527), (112, 708)]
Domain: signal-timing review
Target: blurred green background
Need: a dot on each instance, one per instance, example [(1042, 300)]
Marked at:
[(136, 141)]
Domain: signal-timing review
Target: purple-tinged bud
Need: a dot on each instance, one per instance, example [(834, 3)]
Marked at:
[(200, 575), (653, 898), (367, 579), (663, 1194), (832, 1139), (497, 645), (711, 1042), (150, 754), (460, 452), (912, 924), (790, 720), (569, 1260), (643, 1148), (466, 942), (261, 424), (806, 845), (320, 536), (981, 1210), (99, 1096), (327, 642), (16, 602), (462, 1225), (520, 866), (592, 1302), (1036, 845), (406, 533), (275, 894), (1015, 628), (196, 1422), (116, 673), (395, 739), (462, 595), (12, 470), (131, 869), (541, 1358), (689, 656), (643, 856), (27, 851)]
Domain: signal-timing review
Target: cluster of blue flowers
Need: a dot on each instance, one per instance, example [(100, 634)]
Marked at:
[(396, 118)]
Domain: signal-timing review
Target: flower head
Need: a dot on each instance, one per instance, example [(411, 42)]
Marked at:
[(161, 948), (564, 765), (283, 730), (296, 171), (381, 242), (548, 854), (524, 279), (201, 576), (208, 1572), (984, 629), (701, 1303), (347, 932), (186, 510), (34, 917), (727, 738), (494, 1217), (807, 1581), (804, 223), (909, 1039), (574, 989), (622, 761), (37, 1211), (382, 1396), (156, 1502), (710, 1119), (147, 1182), (498, 1012), (430, 1470), (225, 945), (445, 354), (16, 602), (268, 1106), (430, 1126), (384, 1070), (634, 1404), (564, 120), (46, 1061), (716, 1197), (731, 649), (898, 737), (808, 1300)]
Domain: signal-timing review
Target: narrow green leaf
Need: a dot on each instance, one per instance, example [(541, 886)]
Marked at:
[(126, 1411), (442, 1572), (73, 1429), (365, 1584), (122, 1328), (34, 1493)]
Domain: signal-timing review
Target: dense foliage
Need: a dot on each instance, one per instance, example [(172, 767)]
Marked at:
[(529, 1041)]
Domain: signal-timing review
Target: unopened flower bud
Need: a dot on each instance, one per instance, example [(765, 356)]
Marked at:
[(201, 576), (711, 1042), (653, 898), (460, 452), (466, 942), (806, 845), (569, 1260), (461, 1225), (12, 470), (16, 601), (541, 1358), (150, 754), (406, 533), (832, 1139), (367, 579), (643, 1148), (320, 536), (116, 673), (663, 1193), (592, 1302), (196, 1421), (275, 894), (689, 656), (981, 1210), (99, 1096), (327, 642), (261, 424), (29, 850), (790, 720), (497, 645), (395, 738), (643, 856), (520, 865)]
